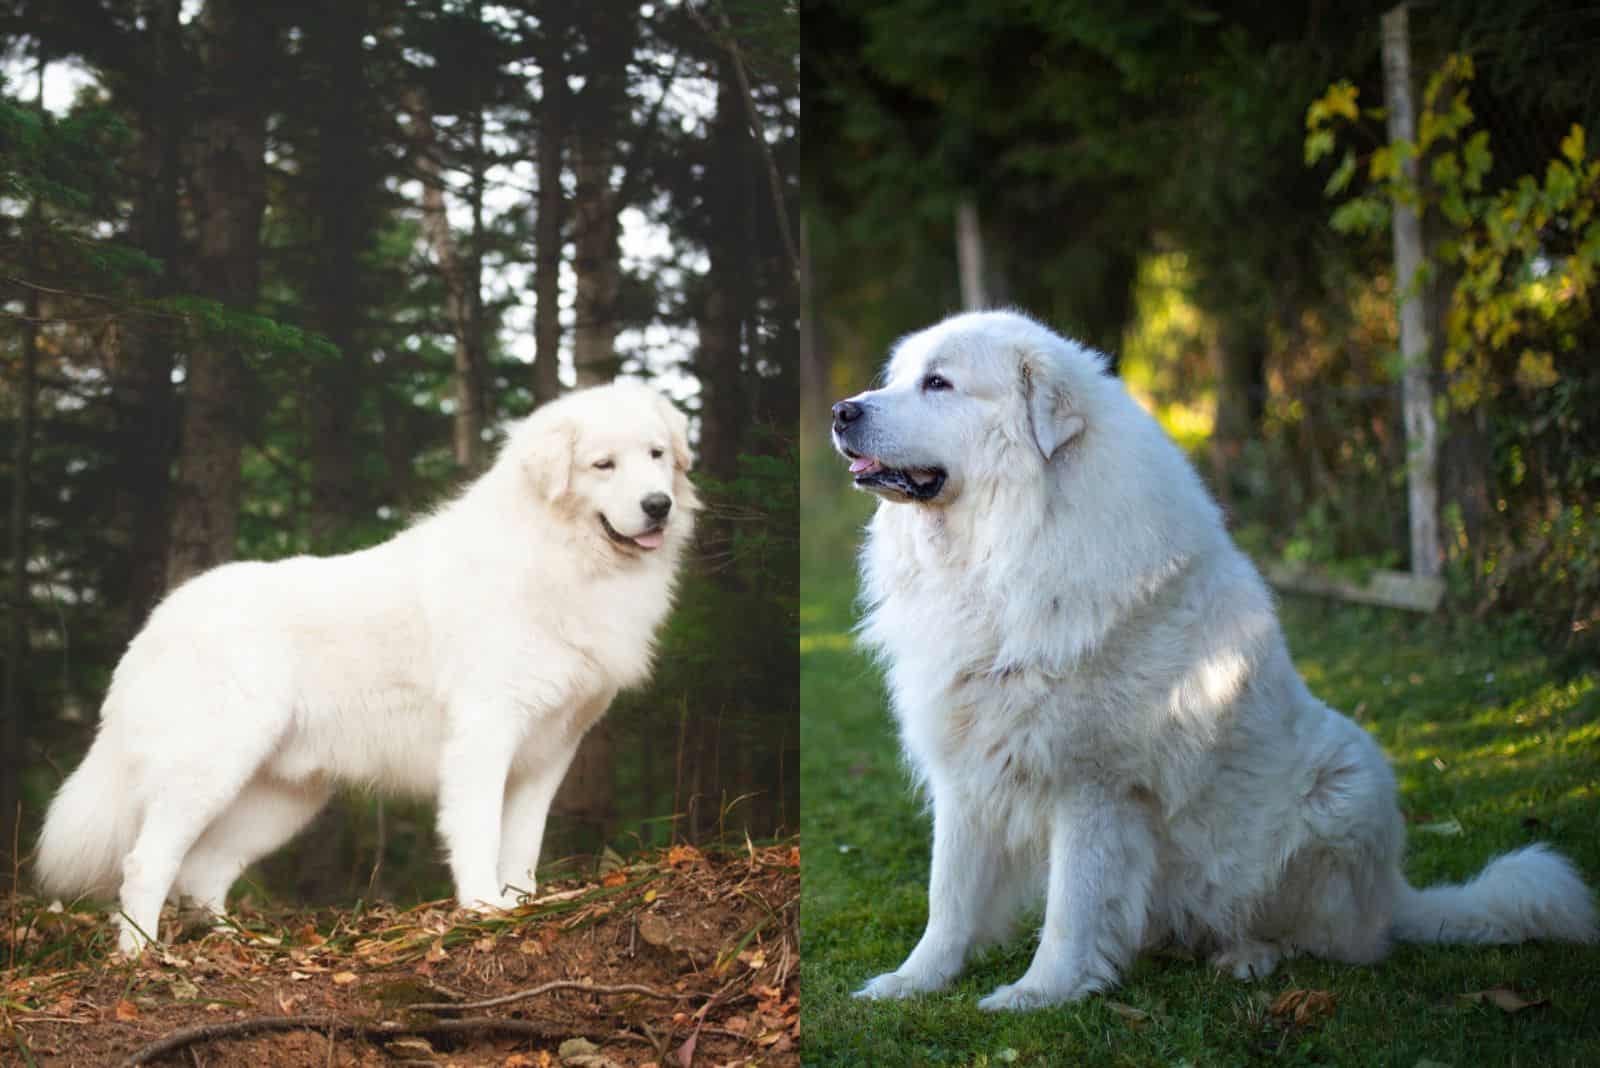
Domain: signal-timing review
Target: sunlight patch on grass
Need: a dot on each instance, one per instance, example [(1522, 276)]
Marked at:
[(813, 643)]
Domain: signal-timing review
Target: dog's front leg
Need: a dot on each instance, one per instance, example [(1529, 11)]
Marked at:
[(473, 768), (528, 799), (967, 862), (1102, 870)]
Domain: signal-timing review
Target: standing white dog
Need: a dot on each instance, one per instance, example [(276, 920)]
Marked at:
[(466, 657), (1092, 686)]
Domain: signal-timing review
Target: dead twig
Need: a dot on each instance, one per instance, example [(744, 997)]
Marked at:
[(545, 988), (335, 1025)]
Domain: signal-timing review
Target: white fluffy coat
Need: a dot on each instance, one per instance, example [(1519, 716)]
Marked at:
[(464, 658), (1092, 687)]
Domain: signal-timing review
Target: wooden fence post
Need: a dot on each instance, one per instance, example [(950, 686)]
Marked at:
[(1422, 437)]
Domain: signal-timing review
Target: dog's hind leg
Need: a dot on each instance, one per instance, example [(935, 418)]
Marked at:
[(186, 789), (266, 814), (967, 864), (173, 822)]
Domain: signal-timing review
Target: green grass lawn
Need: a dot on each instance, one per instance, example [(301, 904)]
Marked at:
[(1492, 747)]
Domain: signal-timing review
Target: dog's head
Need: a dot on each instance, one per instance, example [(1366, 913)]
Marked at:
[(615, 458), (979, 398)]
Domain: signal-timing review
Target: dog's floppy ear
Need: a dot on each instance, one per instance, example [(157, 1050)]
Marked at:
[(547, 448), (1050, 414), (678, 426)]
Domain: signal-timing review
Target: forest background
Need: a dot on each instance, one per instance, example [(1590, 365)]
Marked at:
[(274, 278), (1204, 193)]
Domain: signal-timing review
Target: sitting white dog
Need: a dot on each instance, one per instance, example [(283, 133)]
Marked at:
[(466, 657), (1091, 684)]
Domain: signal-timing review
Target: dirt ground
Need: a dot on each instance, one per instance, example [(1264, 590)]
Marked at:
[(707, 942)]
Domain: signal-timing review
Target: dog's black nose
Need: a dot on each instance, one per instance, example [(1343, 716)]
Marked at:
[(656, 505), (845, 413)]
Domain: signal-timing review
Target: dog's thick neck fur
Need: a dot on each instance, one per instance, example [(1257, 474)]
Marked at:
[(1020, 499)]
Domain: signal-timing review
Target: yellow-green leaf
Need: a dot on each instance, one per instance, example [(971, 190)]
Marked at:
[(1536, 370), (1339, 100), (1572, 144)]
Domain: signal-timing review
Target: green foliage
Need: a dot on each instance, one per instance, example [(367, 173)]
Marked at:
[(1480, 726), (1522, 256)]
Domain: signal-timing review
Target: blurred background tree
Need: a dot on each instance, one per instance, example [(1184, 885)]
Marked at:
[(275, 277), (1142, 180)]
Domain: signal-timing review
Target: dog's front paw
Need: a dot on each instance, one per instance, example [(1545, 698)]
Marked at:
[(892, 985), (1024, 995), (486, 904), (1248, 960)]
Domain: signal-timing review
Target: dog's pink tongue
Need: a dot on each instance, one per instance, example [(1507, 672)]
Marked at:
[(651, 540), (865, 463)]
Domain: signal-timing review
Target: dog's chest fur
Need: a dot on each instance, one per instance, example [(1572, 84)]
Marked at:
[(972, 717), (1140, 695)]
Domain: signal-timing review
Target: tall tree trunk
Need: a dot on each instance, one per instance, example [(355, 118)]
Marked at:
[(229, 188), (599, 113), (13, 728), (146, 404), (344, 182), (610, 32), (459, 273), (718, 366), (1240, 360), (548, 230), (969, 255), (472, 372)]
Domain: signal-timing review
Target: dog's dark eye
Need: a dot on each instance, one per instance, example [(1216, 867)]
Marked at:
[(605, 465), (656, 454), (936, 382)]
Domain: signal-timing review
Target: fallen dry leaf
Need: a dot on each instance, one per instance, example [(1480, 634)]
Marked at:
[(616, 878), (684, 854), (436, 952), (343, 978), (1130, 1013), (1304, 1006), (1505, 999), (127, 1010), (525, 1060)]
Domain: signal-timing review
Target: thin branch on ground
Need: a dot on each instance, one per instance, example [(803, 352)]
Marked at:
[(335, 1025), (545, 988)]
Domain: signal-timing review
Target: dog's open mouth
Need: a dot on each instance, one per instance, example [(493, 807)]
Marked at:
[(648, 540), (916, 483)]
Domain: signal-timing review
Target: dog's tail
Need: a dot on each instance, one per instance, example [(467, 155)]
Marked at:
[(1529, 893), (89, 829)]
